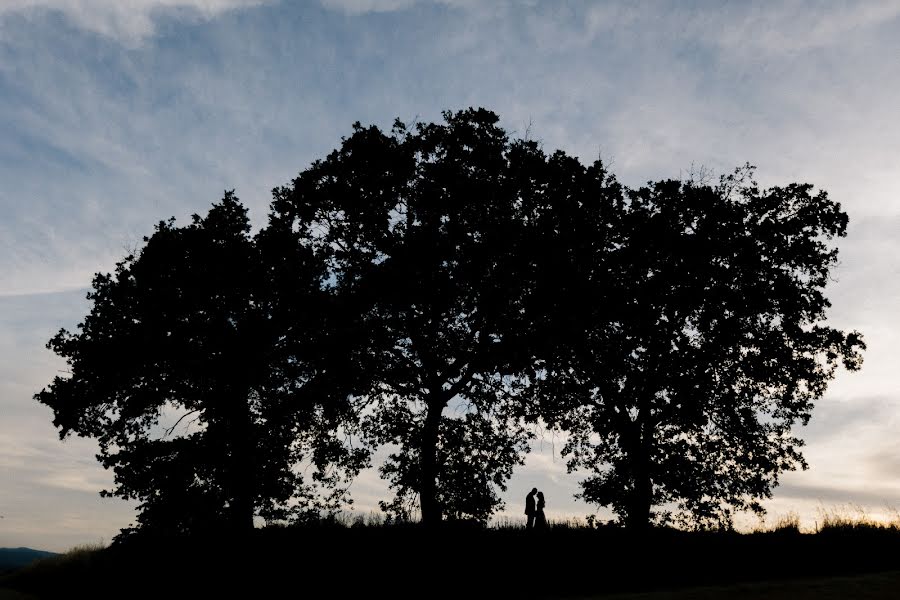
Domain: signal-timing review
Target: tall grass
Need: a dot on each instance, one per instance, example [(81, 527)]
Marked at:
[(78, 559), (363, 553), (854, 517), (843, 517), (786, 523)]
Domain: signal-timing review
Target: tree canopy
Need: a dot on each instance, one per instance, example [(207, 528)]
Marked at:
[(439, 289), (425, 224), (704, 345), (198, 331)]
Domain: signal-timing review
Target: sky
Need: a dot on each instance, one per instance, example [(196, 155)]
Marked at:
[(115, 114)]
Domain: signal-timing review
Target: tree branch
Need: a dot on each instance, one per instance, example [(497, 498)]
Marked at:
[(180, 419)]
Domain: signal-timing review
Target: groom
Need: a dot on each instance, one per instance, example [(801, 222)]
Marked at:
[(529, 508)]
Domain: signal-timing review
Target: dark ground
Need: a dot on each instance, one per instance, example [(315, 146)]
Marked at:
[(14, 558), (400, 562)]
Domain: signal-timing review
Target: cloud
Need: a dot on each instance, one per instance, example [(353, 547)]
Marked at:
[(801, 26), (360, 7), (129, 22), (49, 497), (837, 494), (60, 482), (356, 8)]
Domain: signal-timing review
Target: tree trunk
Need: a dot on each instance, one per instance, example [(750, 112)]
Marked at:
[(641, 501), (638, 518), (432, 513), (242, 486)]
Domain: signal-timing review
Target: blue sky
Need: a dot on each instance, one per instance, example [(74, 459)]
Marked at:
[(116, 114)]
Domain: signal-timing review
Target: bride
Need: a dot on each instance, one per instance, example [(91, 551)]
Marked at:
[(540, 520)]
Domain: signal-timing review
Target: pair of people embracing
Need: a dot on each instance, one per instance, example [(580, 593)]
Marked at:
[(535, 511)]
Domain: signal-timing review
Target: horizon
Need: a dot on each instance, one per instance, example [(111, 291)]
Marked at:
[(116, 117)]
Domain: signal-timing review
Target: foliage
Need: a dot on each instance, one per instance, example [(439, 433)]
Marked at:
[(703, 344), (476, 453), (422, 227), (436, 288), (199, 328)]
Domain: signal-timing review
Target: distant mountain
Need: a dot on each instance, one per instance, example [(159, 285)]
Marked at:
[(13, 558)]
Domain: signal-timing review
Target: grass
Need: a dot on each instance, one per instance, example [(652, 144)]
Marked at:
[(73, 565), (374, 519), (842, 518), (848, 553), (879, 586), (77, 558), (854, 518), (7, 594)]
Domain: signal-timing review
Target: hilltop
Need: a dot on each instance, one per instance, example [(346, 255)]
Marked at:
[(14, 558), (449, 562)]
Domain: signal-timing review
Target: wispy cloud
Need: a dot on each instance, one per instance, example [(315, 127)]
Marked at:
[(359, 7), (797, 26), (128, 22)]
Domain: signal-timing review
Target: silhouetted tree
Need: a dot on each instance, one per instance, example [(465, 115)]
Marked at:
[(221, 336), (423, 228), (475, 453), (703, 343)]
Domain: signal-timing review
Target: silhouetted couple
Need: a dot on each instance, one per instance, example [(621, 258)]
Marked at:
[(535, 513)]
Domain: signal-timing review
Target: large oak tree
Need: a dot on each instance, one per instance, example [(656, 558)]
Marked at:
[(423, 227), (203, 370), (703, 344)]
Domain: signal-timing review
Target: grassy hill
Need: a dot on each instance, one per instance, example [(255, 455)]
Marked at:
[(877, 586), (408, 562), (14, 558)]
